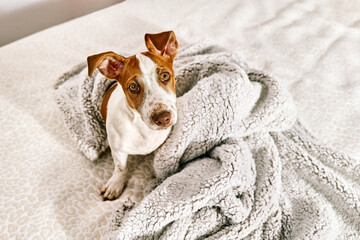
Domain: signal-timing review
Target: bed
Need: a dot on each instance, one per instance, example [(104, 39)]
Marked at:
[(51, 191)]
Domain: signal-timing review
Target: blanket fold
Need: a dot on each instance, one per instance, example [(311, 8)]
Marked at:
[(79, 99), (236, 165)]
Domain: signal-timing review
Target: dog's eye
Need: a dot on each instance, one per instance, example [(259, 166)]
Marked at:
[(134, 87), (165, 76)]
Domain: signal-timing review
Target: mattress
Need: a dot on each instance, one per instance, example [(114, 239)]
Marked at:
[(51, 191)]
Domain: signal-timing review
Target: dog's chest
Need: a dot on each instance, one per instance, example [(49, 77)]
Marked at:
[(127, 132)]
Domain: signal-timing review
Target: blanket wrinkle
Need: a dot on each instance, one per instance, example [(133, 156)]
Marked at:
[(237, 165)]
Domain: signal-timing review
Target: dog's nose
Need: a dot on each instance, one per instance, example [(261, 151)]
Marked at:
[(162, 119)]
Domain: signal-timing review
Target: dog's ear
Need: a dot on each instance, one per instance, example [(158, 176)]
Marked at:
[(109, 64), (162, 43)]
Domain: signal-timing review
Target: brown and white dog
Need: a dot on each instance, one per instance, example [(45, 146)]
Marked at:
[(140, 108)]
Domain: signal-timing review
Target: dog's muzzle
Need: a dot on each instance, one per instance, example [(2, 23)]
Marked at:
[(162, 119)]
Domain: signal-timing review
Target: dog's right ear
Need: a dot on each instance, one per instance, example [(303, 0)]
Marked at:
[(109, 64)]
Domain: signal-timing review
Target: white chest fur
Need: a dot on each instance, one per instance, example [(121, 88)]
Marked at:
[(127, 132)]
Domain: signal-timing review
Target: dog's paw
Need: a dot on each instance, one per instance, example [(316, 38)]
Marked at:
[(113, 188)]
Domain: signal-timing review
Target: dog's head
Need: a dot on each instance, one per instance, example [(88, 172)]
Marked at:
[(147, 78)]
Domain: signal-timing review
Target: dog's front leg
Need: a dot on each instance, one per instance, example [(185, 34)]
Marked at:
[(115, 185)]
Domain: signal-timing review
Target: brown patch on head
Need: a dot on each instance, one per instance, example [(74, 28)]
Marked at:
[(162, 50), (163, 66), (131, 82), (124, 70)]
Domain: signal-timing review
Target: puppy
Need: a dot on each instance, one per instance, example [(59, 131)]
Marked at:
[(140, 108)]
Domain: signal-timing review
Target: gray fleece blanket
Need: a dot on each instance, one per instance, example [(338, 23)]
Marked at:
[(237, 165)]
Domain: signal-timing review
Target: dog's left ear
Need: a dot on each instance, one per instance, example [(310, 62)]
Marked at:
[(163, 43)]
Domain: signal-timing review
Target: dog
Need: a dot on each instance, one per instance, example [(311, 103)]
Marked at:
[(140, 108)]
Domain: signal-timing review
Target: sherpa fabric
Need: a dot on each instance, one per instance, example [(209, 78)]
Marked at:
[(79, 98), (238, 165)]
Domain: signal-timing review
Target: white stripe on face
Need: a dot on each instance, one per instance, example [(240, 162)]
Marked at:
[(156, 99)]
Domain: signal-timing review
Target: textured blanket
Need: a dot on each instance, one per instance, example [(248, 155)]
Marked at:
[(237, 164), (79, 98)]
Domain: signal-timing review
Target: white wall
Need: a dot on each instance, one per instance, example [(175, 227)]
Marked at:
[(19, 18)]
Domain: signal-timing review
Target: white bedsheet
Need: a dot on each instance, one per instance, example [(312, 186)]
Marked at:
[(49, 189)]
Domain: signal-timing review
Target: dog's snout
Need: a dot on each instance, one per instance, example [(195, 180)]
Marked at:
[(162, 119)]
